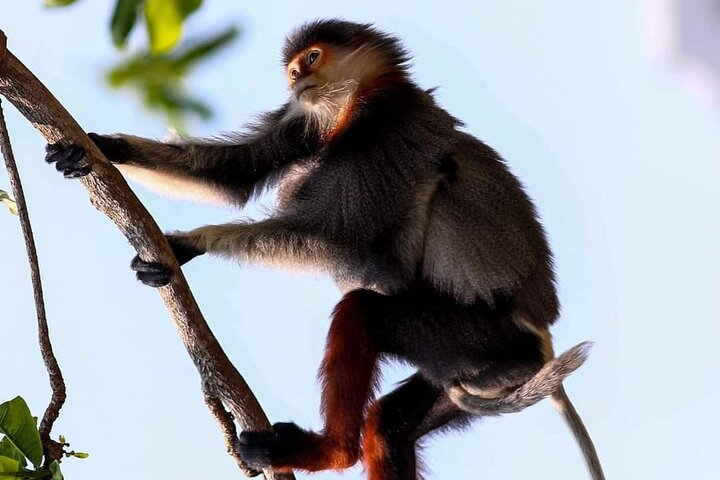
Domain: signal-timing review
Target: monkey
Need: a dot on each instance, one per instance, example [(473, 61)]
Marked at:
[(437, 249)]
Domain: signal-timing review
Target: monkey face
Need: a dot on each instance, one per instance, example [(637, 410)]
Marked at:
[(326, 79), (325, 76), (309, 70)]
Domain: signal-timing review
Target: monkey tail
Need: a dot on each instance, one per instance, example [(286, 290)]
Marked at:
[(546, 382), (560, 400)]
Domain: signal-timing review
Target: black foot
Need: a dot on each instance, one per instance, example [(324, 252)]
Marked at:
[(276, 448), (152, 274), (68, 159)]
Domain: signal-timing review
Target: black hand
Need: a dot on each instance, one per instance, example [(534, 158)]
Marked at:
[(152, 274), (155, 274), (68, 159)]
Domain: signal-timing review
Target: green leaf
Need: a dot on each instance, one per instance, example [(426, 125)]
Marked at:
[(159, 79), (9, 465), (7, 449), (186, 7), (174, 100), (164, 20), (59, 3), (8, 202), (123, 20), (164, 24), (205, 48), (16, 422), (55, 469)]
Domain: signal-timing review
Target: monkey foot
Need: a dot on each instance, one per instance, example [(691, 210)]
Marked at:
[(152, 274), (287, 446), (275, 448), (68, 159)]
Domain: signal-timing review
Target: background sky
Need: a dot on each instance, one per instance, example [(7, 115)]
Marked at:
[(622, 162)]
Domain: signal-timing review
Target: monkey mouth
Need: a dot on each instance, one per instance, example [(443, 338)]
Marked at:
[(305, 89)]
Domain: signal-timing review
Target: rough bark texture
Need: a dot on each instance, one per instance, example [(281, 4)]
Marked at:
[(110, 194)]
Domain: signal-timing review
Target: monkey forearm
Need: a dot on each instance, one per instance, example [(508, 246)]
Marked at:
[(271, 242), (192, 159), (232, 170)]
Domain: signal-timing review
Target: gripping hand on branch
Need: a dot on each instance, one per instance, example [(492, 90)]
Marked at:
[(72, 161)]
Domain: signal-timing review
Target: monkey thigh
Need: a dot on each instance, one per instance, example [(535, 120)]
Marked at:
[(447, 341)]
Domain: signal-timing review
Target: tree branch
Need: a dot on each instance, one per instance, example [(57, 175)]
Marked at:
[(51, 449), (110, 194)]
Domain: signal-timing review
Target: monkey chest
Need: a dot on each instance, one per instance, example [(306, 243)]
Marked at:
[(293, 181)]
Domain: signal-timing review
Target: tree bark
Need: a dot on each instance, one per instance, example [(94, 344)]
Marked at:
[(110, 194)]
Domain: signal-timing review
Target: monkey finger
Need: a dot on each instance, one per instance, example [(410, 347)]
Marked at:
[(152, 274), (52, 150), (68, 159), (55, 152), (72, 168)]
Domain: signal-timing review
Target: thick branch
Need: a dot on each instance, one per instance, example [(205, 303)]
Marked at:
[(110, 194)]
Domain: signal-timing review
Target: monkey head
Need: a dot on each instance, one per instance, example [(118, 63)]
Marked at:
[(329, 62)]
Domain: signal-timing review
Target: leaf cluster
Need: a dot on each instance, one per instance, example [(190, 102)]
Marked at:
[(21, 451), (157, 72)]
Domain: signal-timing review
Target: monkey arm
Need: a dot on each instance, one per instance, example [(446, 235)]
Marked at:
[(229, 171), (279, 241)]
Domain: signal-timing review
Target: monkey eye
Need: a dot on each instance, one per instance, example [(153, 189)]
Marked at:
[(312, 57), (294, 74)]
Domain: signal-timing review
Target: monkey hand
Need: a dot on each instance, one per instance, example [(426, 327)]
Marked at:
[(68, 159), (72, 160), (155, 274)]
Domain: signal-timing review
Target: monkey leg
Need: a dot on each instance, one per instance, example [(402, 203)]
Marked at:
[(445, 340), (396, 421), (348, 381)]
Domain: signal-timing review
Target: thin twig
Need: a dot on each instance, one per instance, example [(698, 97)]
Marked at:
[(227, 423), (52, 450)]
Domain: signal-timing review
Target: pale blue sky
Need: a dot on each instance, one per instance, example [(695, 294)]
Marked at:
[(622, 162)]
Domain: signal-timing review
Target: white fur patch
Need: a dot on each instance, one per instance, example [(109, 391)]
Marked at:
[(174, 186)]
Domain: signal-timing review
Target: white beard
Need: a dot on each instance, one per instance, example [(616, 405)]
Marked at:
[(322, 107)]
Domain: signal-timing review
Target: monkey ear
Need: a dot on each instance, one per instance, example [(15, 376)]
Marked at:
[(545, 382)]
